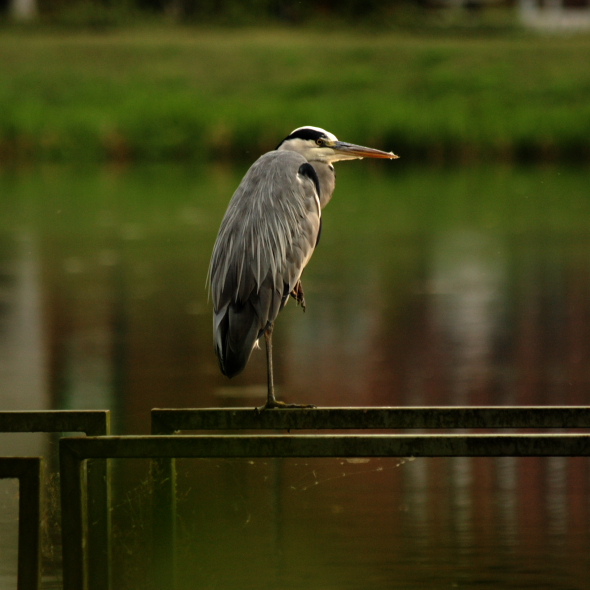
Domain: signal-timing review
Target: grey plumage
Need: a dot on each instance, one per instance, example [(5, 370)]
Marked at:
[(267, 236)]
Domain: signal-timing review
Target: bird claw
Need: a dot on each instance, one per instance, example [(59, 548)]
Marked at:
[(299, 295)]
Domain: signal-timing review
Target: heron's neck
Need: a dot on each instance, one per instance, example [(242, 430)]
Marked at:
[(327, 180)]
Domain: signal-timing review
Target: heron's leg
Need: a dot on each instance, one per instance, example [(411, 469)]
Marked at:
[(299, 295), (271, 401)]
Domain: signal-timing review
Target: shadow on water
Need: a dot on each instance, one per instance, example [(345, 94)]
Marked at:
[(429, 287)]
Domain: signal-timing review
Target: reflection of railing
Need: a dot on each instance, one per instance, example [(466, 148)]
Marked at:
[(164, 448), (92, 423)]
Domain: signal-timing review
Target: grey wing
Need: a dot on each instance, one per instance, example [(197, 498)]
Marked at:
[(265, 240)]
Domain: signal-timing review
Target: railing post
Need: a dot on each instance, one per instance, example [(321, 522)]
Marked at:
[(163, 476), (29, 512), (72, 518), (99, 516), (28, 471)]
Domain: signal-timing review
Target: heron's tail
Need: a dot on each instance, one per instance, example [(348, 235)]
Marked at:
[(236, 330)]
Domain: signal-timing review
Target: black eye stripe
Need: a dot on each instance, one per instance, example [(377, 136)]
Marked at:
[(306, 134)]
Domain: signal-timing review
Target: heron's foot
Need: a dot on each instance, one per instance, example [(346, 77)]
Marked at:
[(299, 295), (274, 404)]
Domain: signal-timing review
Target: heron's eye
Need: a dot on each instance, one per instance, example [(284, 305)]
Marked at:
[(320, 141)]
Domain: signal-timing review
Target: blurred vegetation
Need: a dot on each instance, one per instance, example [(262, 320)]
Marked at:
[(156, 92), (373, 14)]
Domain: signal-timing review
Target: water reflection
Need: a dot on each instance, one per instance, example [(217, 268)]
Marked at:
[(426, 523), (467, 288), (23, 365), (437, 287)]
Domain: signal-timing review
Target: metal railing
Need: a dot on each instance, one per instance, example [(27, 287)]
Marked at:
[(91, 423), (163, 447), (168, 421), (28, 471), (171, 421)]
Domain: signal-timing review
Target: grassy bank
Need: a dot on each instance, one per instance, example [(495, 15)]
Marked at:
[(181, 93)]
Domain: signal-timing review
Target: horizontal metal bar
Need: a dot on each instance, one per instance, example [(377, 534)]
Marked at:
[(168, 421), (16, 467), (91, 422), (325, 445)]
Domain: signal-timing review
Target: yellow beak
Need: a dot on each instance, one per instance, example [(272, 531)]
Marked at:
[(358, 151)]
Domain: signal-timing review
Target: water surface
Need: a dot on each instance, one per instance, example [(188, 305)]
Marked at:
[(431, 286)]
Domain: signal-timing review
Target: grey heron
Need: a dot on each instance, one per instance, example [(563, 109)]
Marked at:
[(268, 234)]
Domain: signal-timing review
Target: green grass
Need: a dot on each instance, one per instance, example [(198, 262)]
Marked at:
[(180, 93)]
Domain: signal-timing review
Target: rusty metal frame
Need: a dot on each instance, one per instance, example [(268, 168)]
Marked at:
[(75, 451), (91, 423), (171, 421), (28, 471)]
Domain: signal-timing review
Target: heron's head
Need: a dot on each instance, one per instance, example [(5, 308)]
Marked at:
[(318, 145)]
